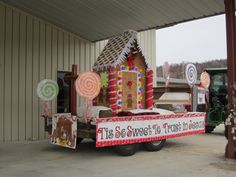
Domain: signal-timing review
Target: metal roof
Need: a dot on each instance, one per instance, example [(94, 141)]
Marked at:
[(95, 20), (216, 69)]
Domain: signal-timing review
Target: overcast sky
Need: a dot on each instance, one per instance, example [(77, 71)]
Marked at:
[(196, 41)]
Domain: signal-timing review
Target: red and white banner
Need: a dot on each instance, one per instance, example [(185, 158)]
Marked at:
[(146, 128)]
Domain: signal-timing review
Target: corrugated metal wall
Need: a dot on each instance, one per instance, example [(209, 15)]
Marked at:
[(147, 40), (30, 50)]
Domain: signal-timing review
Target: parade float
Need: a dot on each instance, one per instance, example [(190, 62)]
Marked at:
[(118, 109)]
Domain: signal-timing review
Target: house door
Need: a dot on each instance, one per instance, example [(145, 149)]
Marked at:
[(129, 90)]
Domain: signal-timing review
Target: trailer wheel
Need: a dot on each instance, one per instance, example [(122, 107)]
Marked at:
[(127, 149), (209, 129), (154, 145), (78, 141)]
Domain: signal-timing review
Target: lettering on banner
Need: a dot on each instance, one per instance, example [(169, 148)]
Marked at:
[(151, 130)]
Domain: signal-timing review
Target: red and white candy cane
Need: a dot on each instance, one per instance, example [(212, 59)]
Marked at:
[(112, 90), (149, 89)]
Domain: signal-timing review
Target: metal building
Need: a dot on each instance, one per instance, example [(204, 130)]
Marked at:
[(32, 49)]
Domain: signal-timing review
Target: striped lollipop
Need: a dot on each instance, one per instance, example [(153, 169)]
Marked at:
[(47, 90), (191, 74), (88, 85)]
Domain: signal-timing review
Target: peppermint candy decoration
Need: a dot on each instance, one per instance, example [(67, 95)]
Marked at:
[(191, 74), (88, 85), (47, 89), (205, 79)]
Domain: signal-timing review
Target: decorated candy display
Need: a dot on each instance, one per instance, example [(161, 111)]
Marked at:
[(122, 59), (88, 85), (205, 79), (120, 95), (47, 90), (112, 89), (191, 74), (140, 88), (149, 90)]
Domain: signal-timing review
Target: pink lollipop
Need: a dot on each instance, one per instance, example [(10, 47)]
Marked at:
[(205, 79), (88, 85)]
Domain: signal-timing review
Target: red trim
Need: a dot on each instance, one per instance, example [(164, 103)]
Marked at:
[(150, 117)]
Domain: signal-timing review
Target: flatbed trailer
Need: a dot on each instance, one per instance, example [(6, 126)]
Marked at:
[(126, 133)]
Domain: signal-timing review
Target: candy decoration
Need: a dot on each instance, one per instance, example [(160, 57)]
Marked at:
[(47, 90), (88, 85), (191, 74), (205, 79), (149, 89), (104, 79), (139, 89), (47, 108), (119, 90), (129, 84), (112, 90)]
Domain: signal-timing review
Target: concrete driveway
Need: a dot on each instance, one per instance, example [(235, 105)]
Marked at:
[(190, 156)]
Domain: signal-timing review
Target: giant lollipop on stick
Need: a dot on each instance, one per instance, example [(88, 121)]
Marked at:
[(191, 74), (205, 80), (47, 90), (88, 85)]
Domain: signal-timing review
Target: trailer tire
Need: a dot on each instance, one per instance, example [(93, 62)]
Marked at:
[(127, 149), (209, 129), (78, 141), (154, 145)]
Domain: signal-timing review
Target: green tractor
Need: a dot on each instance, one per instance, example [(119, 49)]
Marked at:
[(218, 98)]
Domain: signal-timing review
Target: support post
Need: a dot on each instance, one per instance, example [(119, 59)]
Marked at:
[(231, 56), (73, 91)]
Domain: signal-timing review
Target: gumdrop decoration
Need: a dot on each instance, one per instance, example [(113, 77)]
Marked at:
[(104, 79)]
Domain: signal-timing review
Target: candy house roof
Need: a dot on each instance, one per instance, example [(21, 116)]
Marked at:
[(116, 50)]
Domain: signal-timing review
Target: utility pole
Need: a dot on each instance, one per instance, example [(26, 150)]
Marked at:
[(231, 63)]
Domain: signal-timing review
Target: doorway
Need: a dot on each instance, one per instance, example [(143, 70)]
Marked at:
[(64, 95)]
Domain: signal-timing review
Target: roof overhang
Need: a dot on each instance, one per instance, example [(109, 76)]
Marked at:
[(96, 20)]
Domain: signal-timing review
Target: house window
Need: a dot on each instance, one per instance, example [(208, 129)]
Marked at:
[(64, 95)]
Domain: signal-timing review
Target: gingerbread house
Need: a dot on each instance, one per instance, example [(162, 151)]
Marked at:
[(127, 81)]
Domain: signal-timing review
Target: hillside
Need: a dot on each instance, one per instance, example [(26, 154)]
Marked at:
[(178, 70)]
